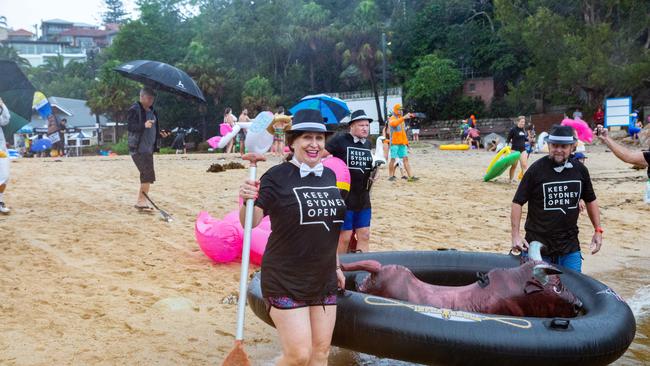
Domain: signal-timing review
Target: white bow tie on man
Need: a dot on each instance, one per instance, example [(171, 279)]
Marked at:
[(357, 139)]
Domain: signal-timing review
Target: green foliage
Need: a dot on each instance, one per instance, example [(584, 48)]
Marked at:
[(121, 147), (112, 94), (9, 53), (258, 94), (115, 12), (462, 107), (434, 81)]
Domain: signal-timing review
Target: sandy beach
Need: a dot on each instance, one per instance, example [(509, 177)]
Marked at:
[(85, 279)]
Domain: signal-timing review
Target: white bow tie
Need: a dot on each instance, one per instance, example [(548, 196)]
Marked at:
[(566, 165), (305, 170), (356, 139)]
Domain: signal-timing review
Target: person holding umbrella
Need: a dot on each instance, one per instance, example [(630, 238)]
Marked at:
[(300, 268), (143, 138), (5, 116)]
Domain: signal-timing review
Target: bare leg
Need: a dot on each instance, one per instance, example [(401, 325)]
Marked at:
[(391, 167), (511, 173), (323, 319), (407, 166), (295, 335), (363, 239), (344, 241), (142, 200)]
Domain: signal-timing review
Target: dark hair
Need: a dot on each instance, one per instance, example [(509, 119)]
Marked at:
[(227, 111), (280, 110), (147, 91)]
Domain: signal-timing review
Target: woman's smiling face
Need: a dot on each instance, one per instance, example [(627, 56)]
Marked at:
[(308, 146)]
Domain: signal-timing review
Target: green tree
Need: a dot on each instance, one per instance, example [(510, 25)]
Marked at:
[(112, 94), (435, 80), (257, 94), (115, 12), (361, 46), (10, 53)]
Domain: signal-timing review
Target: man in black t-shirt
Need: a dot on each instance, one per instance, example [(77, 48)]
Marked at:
[(355, 150), (553, 187), (640, 158)]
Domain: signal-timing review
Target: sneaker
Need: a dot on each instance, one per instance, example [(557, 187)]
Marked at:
[(393, 178), (405, 177), (413, 179), (4, 209)]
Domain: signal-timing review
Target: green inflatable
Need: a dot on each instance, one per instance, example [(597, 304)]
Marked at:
[(501, 165)]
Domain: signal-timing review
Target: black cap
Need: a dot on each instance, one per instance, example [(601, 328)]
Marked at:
[(561, 135), (308, 120), (359, 115)]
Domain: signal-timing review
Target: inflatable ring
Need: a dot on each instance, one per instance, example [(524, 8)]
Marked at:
[(454, 147), (501, 165), (505, 150), (429, 335), (3, 154)]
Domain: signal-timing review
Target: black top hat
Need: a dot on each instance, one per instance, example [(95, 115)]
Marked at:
[(359, 115), (308, 120), (561, 135)]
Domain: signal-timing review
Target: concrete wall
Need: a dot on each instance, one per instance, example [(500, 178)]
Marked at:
[(370, 107), (450, 129)]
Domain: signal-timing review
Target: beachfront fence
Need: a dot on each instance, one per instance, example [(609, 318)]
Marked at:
[(450, 129)]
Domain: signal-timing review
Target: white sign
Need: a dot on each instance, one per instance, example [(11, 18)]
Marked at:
[(617, 111)]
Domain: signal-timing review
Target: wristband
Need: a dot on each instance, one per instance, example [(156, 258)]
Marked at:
[(599, 230)]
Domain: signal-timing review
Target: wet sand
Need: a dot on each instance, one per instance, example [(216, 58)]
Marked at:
[(86, 280)]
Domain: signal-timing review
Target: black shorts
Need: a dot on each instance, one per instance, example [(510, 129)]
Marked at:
[(518, 148), (144, 163)]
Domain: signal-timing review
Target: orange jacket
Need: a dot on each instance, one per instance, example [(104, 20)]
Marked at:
[(397, 127)]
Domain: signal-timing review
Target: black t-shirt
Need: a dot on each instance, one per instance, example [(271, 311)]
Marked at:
[(646, 155), (306, 217), (358, 157), (518, 137), (553, 200), (414, 123)]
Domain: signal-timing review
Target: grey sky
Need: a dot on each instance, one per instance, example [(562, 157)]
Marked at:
[(25, 13)]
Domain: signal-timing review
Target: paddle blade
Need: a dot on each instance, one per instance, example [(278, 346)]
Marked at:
[(237, 357)]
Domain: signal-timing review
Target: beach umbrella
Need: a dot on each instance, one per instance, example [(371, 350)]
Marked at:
[(333, 109), (159, 75), (41, 145), (17, 93)]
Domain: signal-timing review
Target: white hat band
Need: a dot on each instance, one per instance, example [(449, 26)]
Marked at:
[(561, 138), (304, 125)]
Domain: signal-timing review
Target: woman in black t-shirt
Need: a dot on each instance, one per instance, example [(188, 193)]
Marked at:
[(300, 268), (517, 139)]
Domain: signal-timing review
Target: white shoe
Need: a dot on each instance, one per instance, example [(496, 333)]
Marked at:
[(4, 209)]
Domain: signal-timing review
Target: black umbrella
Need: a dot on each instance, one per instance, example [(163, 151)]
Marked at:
[(160, 75), (18, 94)]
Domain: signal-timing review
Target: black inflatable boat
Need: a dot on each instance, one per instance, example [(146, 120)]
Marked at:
[(429, 335)]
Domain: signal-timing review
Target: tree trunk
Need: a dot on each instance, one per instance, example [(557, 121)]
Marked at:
[(373, 84), (311, 75)]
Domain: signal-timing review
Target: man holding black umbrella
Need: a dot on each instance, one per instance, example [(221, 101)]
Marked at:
[(143, 137)]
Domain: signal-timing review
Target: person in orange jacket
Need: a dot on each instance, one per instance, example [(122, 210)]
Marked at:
[(399, 143)]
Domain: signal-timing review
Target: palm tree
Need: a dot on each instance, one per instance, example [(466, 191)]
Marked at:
[(312, 30), (361, 46), (10, 53)]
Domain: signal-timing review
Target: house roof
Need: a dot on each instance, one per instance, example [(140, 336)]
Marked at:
[(74, 110), (56, 21), (84, 32), (84, 25), (20, 32)]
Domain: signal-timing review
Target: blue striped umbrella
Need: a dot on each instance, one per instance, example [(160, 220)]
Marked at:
[(333, 109)]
